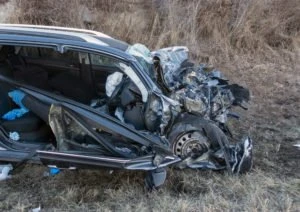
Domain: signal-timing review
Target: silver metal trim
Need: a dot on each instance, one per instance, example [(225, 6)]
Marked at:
[(83, 156), (69, 29), (83, 36)]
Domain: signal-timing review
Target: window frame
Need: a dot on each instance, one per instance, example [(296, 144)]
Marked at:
[(146, 80), (131, 70), (43, 56)]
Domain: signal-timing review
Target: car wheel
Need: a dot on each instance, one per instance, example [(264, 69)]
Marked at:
[(193, 137)]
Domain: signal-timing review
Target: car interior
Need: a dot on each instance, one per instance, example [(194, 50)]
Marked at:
[(79, 76)]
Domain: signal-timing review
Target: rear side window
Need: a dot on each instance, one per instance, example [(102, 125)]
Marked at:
[(29, 52), (48, 53)]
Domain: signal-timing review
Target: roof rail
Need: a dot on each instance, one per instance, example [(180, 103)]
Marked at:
[(84, 36), (58, 29)]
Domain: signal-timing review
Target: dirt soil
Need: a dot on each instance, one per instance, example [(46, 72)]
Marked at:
[(264, 57)]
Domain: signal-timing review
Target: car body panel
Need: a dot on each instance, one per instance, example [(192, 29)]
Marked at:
[(153, 149)]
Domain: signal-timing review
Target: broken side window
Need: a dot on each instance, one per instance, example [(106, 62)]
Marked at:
[(101, 60)]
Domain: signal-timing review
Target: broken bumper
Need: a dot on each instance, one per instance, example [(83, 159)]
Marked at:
[(235, 158)]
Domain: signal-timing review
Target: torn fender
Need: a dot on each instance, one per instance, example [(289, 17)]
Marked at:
[(239, 158)]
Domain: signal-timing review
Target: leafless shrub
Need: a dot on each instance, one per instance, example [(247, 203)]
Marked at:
[(215, 31)]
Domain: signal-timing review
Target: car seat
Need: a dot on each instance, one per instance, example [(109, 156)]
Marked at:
[(14, 66), (31, 126), (72, 87), (32, 75)]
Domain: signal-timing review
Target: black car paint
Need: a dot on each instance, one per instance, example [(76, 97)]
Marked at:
[(158, 155), (18, 152)]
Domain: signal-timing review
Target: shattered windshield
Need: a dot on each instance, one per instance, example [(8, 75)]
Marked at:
[(171, 58), (143, 56)]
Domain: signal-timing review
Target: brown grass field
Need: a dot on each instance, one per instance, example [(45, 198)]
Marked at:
[(254, 42)]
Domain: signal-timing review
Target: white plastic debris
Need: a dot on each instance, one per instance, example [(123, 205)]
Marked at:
[(36, 209), (297, 145), (212, 83), (14, 136), (112, 82), (119, 113), (4, 170)]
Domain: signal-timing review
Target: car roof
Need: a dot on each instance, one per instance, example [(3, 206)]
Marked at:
[(63, 33), (61, 37)]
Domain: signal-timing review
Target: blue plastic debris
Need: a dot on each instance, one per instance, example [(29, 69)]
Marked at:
[(17, 97), (15, 113), (54, 171)]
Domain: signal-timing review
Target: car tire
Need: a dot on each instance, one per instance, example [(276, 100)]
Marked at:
[(210, 136)]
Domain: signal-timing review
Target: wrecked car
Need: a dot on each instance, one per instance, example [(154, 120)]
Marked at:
[(73, 98)]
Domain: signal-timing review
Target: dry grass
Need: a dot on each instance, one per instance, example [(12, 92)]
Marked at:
[(255, 42)]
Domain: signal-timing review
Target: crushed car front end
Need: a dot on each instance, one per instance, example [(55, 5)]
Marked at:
[(195, 104)]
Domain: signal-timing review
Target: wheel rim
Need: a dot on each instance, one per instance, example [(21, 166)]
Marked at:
[(191, 144)]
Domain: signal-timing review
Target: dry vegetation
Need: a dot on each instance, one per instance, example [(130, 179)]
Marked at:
[(255, 42)]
